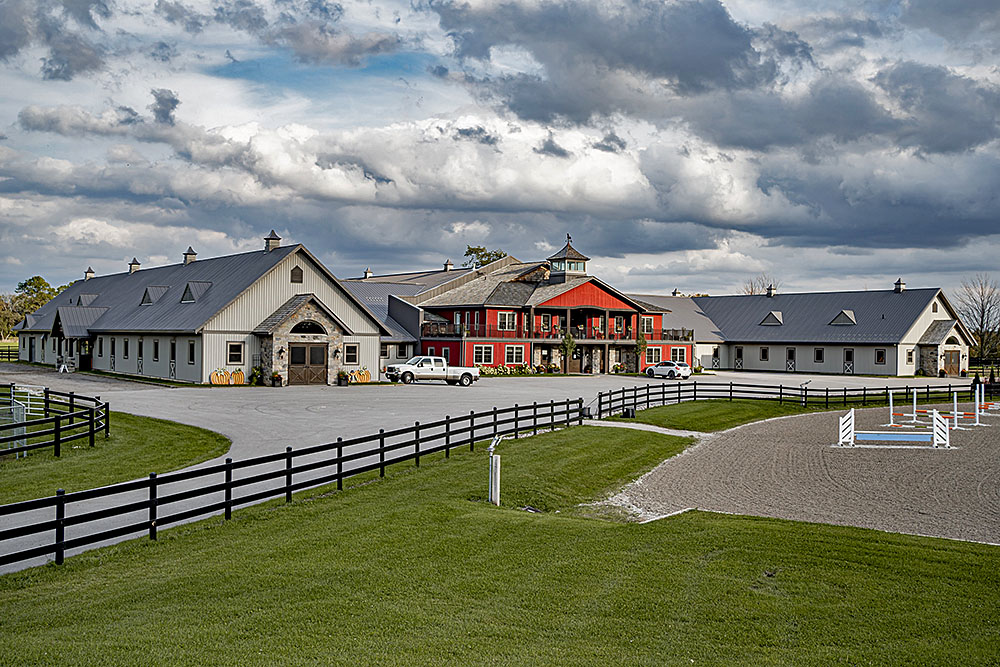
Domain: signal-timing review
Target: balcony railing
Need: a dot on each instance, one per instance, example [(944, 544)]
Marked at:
[(448, 330)]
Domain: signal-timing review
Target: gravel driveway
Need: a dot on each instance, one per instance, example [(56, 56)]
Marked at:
[(786, 468)]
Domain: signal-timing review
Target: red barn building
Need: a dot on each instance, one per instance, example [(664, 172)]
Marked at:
[(512, 313)]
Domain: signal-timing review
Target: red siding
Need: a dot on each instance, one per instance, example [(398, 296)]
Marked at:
[(666, 351), (499, 353), (587, 294)]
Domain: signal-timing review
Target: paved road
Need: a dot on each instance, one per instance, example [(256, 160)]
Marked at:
[(262, 421)]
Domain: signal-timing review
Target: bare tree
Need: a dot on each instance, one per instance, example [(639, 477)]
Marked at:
[(978, 304), (758, 284)]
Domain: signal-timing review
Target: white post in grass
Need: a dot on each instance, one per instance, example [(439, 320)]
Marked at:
[(494, 488)]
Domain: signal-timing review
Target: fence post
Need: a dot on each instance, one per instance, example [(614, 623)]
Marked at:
[(887, 394), (730, 392), (579, 412), (152, 505), (60, 524), (46, 402), (229, 489), (845, 396), (495, 425), (340, 464), (827, 405), (516, 420), (107, 420), (72, 406), (57, 436), (447, 436), (781, 396), (93, 426), (864, 396), (569, 420), (472, 430), (534, 417), (695, 395), (416, 440), (381, 452), (805, 397), (288, 474), (646, 392), (600, 404)]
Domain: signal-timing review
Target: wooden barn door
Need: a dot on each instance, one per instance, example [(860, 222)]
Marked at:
[(307, 363), (952, 365)]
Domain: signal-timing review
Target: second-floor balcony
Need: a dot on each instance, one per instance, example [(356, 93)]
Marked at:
[(582, 332)]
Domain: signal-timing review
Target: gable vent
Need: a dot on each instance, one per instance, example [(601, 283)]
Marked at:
[(193, 290), (773, 319), (845, 317)]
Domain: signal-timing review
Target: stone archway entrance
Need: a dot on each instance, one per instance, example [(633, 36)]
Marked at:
[(302, 342)]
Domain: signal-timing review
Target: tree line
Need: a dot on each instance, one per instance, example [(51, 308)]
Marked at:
[(27, 297)]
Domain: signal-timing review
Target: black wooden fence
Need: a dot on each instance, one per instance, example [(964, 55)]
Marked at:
[(8, 354), (66, 417), (281, 474), (651, 395)]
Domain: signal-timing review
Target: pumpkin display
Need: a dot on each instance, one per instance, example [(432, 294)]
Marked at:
[(237, 377), (219, 376)]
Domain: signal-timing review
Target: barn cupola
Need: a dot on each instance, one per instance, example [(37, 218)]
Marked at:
[(134, 265), (567, 263), (272, 242), (899, 285), (88, 274), (189, 255)]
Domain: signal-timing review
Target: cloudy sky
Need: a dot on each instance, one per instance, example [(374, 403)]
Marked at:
[(687, 144)]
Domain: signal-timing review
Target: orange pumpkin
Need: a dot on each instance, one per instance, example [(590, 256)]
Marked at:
[(219, 376), (237, 377)]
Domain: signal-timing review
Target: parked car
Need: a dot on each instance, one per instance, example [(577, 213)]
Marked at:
[(431, 368), (669, 369)]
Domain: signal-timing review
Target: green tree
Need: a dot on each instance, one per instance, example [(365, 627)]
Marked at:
[(9, 315), (477, 255), (33, 293), (567, 346), (640, 349)]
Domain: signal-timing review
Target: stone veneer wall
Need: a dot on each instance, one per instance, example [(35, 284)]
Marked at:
[(929, 359), (273, 362)]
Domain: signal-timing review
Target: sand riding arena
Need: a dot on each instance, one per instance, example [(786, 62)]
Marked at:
[(787, 468)]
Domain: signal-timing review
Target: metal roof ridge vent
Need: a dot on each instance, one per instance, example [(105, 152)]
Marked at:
[(899, 286), (272, 242), (134, 265), (189, 256)]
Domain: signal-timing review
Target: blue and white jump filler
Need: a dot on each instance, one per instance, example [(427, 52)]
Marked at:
[(937, 436)]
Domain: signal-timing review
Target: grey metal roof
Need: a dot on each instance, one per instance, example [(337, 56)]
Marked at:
[(937, 332), (75, 320), (683, 313), (215, 281), (424, 279), (375, 295), (883, 317)]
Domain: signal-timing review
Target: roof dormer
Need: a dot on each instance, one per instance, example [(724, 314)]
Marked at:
[(568, 262), (772, 319), (844, 318), (193, 290), (152, 293)]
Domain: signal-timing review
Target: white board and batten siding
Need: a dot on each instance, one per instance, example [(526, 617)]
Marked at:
[(270, 292)]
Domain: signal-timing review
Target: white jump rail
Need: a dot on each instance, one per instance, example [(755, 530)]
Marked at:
[(938, 437)]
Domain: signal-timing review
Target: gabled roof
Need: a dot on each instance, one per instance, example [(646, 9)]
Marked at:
[(375, 295), (683, 313), (937, 332), (289, 308), (883, 317), (76, 320)]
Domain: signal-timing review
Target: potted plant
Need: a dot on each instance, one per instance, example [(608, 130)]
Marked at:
[(342, 378), (276, 380)]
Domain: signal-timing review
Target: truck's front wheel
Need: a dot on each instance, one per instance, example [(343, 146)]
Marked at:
[(407, 378), (465, 380)]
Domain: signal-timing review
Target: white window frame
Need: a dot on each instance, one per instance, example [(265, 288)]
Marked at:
[(457, 317), (909, 357), (654, 355), (446, 353), (882, 350), (430, 351), (480, 354), (401, 351), (156, 349), (819, 355), (517, 350), (239, 345), (125, 347), (765, 353), (383, 350), (191, 352), (100, 346), (546, 323), (506, 320), (646, 324), (348, 348), (676, 352)]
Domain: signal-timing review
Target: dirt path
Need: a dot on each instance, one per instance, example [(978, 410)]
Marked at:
[(786, 468)]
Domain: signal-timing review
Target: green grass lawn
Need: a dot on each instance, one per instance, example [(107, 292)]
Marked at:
[(714, 415), (137, 447), (416, 569)]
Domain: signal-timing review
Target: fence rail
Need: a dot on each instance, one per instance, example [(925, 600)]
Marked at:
[(8, 354), (161, 502), (653, 395), (66, 417)]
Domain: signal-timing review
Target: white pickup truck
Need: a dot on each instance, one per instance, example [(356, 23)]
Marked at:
[(431, 368)]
